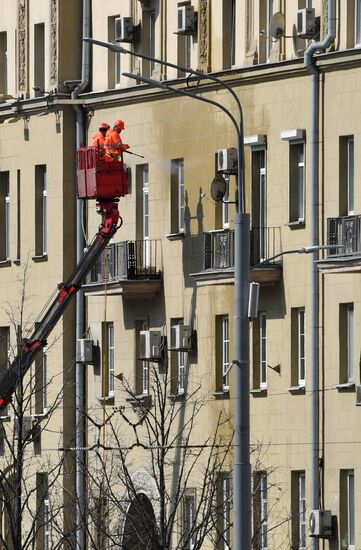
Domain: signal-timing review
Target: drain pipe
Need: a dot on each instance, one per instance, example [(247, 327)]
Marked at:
[(79, 313), (309, 62)]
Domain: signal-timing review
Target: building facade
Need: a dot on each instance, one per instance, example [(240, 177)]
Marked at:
[(159, 304)]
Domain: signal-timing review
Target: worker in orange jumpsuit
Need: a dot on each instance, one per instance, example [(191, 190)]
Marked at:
[(113, 142), (98, 139)]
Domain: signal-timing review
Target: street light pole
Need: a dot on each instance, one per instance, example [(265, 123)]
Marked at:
[(241, 466)]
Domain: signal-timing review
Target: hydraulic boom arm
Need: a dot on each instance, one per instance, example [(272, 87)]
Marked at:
[(31, 346)]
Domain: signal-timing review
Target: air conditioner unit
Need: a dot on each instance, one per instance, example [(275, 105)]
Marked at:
[(320, 522), (306, 23), (358, 395), (186, 20), (124, 29), (227, 160), (84, 350), (150, 344), (180, 338)]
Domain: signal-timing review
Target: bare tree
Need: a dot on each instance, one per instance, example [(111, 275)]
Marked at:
[(155, 480), (30, 480)]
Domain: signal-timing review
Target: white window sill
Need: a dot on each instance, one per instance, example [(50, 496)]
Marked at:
[(296, 223), (177, 396), (300, 389), (140, 398), (5, 263), (40, 257), (259, 392), (175, 236), (221, 394), (106, 398), (347, 386)]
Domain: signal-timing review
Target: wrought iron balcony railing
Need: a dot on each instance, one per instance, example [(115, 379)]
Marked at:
[(345, 233), (218, 247), (128, 260)]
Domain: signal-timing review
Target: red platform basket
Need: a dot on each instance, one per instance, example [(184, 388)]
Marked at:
[(98, 179)]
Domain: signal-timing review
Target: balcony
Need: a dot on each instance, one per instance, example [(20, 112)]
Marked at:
[(130, 268), (345, 234), (218, 256)]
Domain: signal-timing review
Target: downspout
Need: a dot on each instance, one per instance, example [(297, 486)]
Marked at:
[(310, 65), (80, 442)]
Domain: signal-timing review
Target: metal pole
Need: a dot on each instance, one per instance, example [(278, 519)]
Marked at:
[(242, 467), (79, 304)]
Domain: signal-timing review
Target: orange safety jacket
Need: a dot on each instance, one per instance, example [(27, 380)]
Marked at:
[(113, 143), (98, 139)]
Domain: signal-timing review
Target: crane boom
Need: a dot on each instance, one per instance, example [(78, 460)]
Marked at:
[(29, 347)]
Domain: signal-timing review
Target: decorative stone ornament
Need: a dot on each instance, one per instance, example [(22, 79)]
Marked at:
[(204, 36)]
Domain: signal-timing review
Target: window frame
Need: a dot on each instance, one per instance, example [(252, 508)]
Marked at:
[(263, 350), (108, 349), (301, 355), (347, 508), (181, 372), (3, 62), (39, 30), (296, 188), (225, 353), (5, 219), (302, 510), (41, 195), (189, 516), (357, 29), (177, 196)]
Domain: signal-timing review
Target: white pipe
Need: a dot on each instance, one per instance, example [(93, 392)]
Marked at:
[(310, 65)]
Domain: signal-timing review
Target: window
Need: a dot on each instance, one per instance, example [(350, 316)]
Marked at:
[(39, 58), (229, 33), (189, 513), (142, 213), (298, 348), (181, 372), (18, 215), (114, 68), (263, 350), (222, 353), (40, 211), (265, 41), (152, 39), (298, 512), (259, 229), (100, 517), (347, 509), (296, 182), (42, 506), (260, 352), (177, 196), (260, 509), (357, 22), (4, 216), (3, 63), (41, 382), (4, 355), (224, 509), (149, 20), (346, 339), (107, 359), (184, 52), (346, 175), (178, 366), (141, 366)]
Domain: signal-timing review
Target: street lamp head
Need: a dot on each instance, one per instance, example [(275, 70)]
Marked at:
[(109, 45)]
